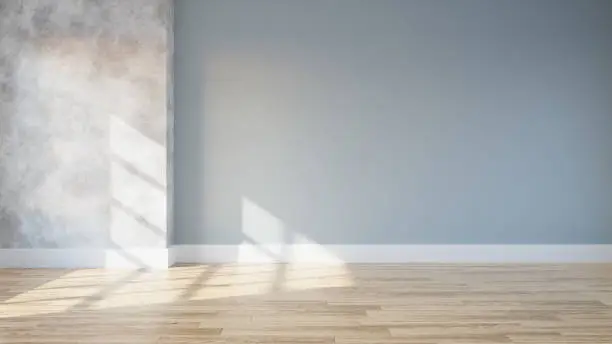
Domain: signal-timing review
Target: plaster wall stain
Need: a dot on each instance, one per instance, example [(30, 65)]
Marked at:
[(69, 72)]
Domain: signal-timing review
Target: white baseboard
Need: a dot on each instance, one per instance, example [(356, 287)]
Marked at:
[(312, 253), (171, 256), (162, 258), (132, 258)]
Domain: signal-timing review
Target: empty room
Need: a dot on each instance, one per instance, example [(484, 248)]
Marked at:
[(306, 171)]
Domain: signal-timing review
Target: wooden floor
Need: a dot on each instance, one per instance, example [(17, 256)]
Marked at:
[(370, 304)]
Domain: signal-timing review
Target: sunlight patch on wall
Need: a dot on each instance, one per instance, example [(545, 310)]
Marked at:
[(138, 188), (268, 239), (139, 151), (260, 225)]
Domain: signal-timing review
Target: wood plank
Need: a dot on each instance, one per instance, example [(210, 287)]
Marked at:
[(314, 304)]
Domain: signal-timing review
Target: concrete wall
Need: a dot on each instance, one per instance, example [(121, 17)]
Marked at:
[(394, 121), (84, 121)]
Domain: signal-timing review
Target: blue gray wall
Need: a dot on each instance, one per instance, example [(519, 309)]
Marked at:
[(394, 121)]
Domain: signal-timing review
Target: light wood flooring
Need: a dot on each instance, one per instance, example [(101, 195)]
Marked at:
[(365, 304)]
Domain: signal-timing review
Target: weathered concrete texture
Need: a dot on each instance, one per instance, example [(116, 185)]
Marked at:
[(84, 114)]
